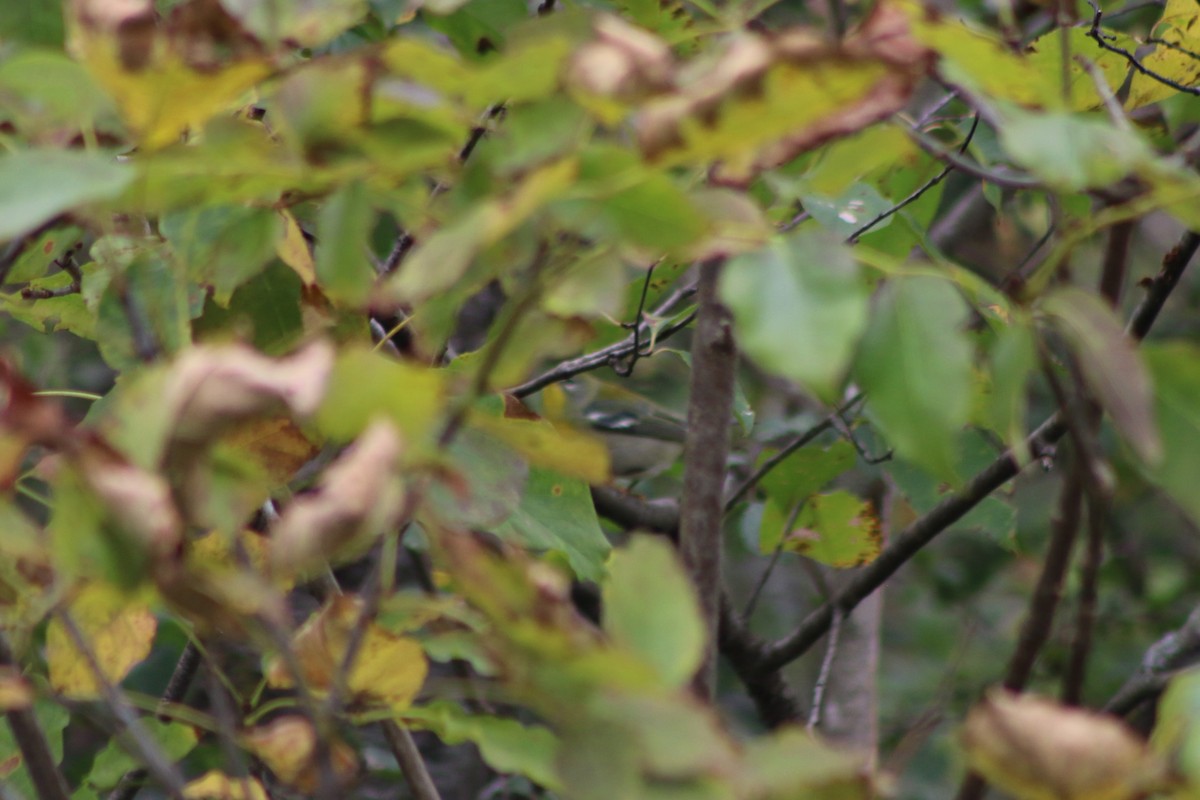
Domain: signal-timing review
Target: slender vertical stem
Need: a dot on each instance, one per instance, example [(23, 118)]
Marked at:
[(31, 741), (410, 761), (710, 408)]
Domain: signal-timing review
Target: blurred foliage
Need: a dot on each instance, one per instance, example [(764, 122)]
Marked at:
[(292, 292)]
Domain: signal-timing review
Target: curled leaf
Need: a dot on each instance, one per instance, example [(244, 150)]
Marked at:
[(211, 388), (360, 495), (1035, 749), (288, 746)]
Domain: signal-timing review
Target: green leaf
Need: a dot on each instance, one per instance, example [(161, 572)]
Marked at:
[(147, 306), (915, 366), (789, 296), (793, 763), (480, 26), (806, 472), (556, 513), (846, 213), (1175, 368), (995, 516), (505, 744), (36, 185), (343, 261), (175, 738), (650, 607), (441, 260), (484, 485), (1013, 358), (838, 529), (1072, 152), (1176, 730), (267, 310), (366, 384), (1110, 364), (223, 246)]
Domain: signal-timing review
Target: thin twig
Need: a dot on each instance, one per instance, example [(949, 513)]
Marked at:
[(921, 190), (593, 361), (831, 644), (177, 686), (1085, 617), (766, 573), (626, 370), (951, 509), (1102, 38), (797, 443), (146, 749), (411, 764), (1007, 180)]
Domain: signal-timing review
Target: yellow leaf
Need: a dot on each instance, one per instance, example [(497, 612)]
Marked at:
[(387, 668), (117, 628), (1179, 31), (555, 446), (215, 785), (293, 250)]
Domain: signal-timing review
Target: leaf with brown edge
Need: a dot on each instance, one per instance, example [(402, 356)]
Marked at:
[(167, 75), (1035, 749), (360, 495), (1111, 366), (765, 100), (288, 746), (838, 529), (276, 443), (118, 629)]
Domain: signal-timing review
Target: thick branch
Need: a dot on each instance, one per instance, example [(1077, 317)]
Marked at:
[(706, 450), (31, 740)]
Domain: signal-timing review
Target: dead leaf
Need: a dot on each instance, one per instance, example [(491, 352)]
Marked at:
[(1036, 749), (288, 746), (210, 389), (360, 495), (139, 501), (767, 99)]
